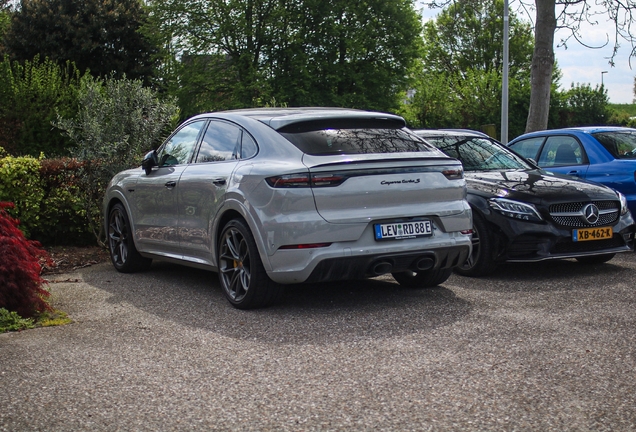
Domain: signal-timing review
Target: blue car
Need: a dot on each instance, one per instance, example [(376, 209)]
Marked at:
[(603, 154)]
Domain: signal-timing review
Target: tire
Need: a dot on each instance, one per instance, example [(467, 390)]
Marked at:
[(480, 262), (241, 273), (123, 253), (422, 279), (595, 259)]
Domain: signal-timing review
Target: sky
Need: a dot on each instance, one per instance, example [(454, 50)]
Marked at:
[(580, 64), (584, 65)]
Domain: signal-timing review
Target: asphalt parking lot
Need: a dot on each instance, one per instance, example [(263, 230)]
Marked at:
[(535, 347)]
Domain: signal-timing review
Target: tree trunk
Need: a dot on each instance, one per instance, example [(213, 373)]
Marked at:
[(542, 65)]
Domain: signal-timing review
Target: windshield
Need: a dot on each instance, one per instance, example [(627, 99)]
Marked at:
[(478, 154), (357, 141), (622, 145)]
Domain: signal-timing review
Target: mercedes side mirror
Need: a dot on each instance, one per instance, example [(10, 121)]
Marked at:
[(150, 160)]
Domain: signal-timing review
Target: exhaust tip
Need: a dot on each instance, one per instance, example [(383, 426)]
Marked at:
[(426, 263), (382, 268)]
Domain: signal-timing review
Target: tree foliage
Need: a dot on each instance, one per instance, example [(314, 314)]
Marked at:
[(550, 15), (353, 54), (302, 52), (31, 95), (5, 20), (458, 83), (585, 106), (97, 35), (118, 120), (468, 35)]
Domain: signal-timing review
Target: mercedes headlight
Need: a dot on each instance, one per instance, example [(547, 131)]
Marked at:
[(624, 207), (515, 209)]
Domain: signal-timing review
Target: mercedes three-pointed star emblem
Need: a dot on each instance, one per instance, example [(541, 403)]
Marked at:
[(591, 213)]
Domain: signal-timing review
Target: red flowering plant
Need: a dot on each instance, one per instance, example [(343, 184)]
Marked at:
[(20, 281)]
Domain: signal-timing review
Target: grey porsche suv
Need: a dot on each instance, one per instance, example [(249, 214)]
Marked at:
[(268, 197)]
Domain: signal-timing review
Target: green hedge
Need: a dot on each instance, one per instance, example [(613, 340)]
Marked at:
[(21, 184), (46, 198), (62, 213)]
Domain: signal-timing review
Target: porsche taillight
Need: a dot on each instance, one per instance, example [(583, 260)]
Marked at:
[(305, 180), (454, 173)]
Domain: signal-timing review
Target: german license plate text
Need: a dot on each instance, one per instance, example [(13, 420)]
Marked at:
[(403, 230)]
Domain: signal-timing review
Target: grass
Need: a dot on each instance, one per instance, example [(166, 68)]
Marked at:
[(11, 321), (51, 319)]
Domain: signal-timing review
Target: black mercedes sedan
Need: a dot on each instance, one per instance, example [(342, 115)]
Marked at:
[(522, 213)]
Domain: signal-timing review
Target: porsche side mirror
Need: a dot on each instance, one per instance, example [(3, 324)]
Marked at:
[(150, 160)]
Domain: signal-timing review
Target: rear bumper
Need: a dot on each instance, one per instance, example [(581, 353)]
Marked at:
[(369, 258), (376, 265)]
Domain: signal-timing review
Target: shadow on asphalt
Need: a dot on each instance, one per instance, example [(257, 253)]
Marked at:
[(340, 311), (311, 313), (554, 275)]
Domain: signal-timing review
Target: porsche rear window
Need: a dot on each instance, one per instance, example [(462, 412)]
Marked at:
[(357, 141)]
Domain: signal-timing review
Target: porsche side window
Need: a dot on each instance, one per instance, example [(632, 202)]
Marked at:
[(220, 143), (248, 146), (179, 147)]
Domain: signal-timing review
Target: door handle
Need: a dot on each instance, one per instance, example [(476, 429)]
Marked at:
[(573, 173), (171, 184), (218, 181)]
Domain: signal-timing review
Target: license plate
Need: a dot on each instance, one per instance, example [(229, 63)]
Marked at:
[(587, 234), (403, 230)]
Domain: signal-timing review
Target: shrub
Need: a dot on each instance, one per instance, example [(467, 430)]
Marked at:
[(31, 95), (62, 215), (584, 106), (118, 121), (20, 183), (20, 281), (47, 199), (11, 321)]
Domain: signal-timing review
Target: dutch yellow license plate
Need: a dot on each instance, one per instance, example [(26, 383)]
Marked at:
[(587, 234)]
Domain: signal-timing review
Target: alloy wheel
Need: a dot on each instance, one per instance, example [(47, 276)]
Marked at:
[(118, 237), (234, 264)]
